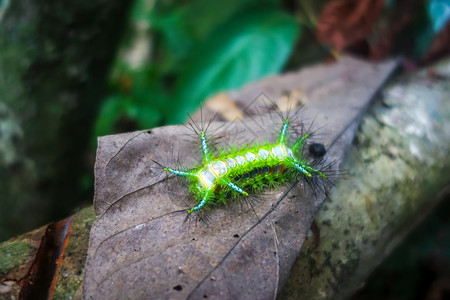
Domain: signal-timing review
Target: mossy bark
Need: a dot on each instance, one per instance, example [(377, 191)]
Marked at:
[(398, 169), (54, 59), (18, 254)]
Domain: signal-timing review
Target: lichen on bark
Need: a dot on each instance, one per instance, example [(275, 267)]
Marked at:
[(397, 169)]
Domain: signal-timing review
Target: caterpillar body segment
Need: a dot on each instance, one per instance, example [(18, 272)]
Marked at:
[(246, 170)]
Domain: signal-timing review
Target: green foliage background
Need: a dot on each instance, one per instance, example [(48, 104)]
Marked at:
[(176, 54), (196, 50)]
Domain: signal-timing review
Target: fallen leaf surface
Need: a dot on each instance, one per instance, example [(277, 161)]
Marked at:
[(39, 283), (144, 246)]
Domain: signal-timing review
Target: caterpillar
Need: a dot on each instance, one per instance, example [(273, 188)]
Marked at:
[(239, 172)]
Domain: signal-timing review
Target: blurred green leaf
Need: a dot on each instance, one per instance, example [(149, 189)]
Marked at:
[(439, 11), (197, 49), (110, 112), (178, 26), (255, 43)]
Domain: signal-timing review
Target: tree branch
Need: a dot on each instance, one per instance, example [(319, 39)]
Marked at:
[(398, 169)]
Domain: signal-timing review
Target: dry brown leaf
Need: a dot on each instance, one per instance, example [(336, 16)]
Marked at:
[(141, 245), (346, 23)]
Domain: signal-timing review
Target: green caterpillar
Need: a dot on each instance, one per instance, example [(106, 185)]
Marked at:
[(246, 170)]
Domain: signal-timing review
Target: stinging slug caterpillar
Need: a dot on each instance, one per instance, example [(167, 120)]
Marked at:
[(250, 169)]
